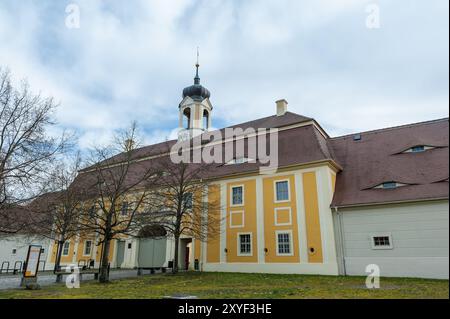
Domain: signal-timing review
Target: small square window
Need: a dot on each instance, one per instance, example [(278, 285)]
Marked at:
[(282, 191), (14, 251), (383, 241), (237, 195)]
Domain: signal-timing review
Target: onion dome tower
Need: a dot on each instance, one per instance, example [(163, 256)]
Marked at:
[(195, 109)]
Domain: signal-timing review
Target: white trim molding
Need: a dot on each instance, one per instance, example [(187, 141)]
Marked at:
[(234, 212), (276, 210)]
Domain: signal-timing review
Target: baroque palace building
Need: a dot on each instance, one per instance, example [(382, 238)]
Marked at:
[(334, 206)]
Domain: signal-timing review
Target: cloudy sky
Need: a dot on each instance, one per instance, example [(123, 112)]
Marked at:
[(130, 60)]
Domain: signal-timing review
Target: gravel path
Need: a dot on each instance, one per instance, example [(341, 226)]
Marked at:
[(13, 281)]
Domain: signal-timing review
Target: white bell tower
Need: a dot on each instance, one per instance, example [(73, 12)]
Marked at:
[(194, 110)]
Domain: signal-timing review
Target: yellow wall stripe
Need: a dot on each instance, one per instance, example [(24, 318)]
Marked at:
[(312, 218)]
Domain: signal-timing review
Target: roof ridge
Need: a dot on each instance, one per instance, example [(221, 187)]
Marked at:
[(392, 128), (324, 149), (264, 118)]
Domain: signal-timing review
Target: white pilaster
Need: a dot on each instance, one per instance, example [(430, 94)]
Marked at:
[(301, 219), (223, 222), (260, 220)]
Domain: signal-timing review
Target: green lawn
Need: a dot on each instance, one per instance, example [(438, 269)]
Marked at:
[(236, 285)]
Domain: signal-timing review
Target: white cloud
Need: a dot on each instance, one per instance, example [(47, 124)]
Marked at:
[(130, 62)]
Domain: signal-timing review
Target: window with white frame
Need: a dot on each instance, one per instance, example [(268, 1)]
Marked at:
[(65, 250), (87, 248), (281, 191), (284, 243), (381, 241), (237, 195), (125, 207), (187, 200), (92, 211), (245, 244)]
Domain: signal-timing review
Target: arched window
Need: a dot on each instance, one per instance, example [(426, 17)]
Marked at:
[(187, 118), (205, 119), (152, 231)]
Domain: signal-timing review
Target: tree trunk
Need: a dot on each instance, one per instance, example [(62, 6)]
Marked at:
[(104, 273), (58, 261), (175, 256)]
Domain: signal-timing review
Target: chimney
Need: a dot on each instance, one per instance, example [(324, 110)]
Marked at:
[(281, 107)]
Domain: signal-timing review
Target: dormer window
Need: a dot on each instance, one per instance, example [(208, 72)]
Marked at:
[(418, 149), (389, 185), (240, 160)]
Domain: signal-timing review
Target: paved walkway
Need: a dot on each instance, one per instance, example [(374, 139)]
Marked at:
[(46, 279)]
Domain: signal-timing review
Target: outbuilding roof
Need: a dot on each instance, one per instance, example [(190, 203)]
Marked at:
[(379, 156)]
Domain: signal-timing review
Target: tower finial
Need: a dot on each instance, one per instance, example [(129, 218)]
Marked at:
[(197, 65)]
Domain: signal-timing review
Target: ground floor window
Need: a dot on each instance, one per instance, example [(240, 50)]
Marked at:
[(284, 243), (66, 247), (245, 244)]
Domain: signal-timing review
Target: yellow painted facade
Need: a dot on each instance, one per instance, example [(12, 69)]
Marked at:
[(297, 219), (270, 221), (314, 240), (280, 217), (248, 210), (213, 242)]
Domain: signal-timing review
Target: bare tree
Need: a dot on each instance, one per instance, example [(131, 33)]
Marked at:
[(119, 188), (56, 214), (182, 200), (26, 147)]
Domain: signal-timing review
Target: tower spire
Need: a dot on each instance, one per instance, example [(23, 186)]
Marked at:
[(197, 65)]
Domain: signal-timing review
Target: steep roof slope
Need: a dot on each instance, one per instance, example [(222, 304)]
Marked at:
[(378, 157), (297, 145), (273, 121)]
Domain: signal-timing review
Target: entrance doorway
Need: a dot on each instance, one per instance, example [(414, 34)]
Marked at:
[(185, 253)]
